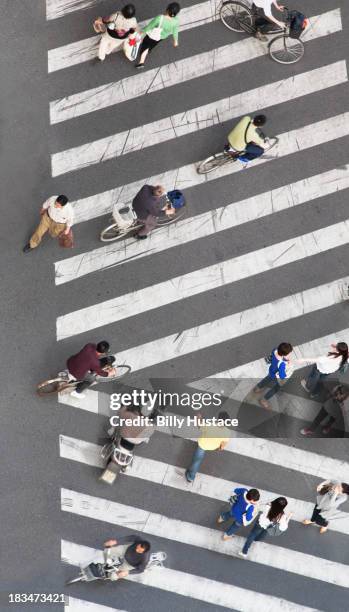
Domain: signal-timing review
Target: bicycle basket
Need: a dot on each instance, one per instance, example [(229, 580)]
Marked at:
[(298, 23), (176, 198), (157, 559)]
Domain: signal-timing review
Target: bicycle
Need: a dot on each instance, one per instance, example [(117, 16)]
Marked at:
[(65, 382), (239, 17), (126, 224), (221, 159)]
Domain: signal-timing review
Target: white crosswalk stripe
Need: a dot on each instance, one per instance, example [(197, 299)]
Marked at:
[(188, 533), (86, 49), (171, 476), (190, 585), (202, 280), (297, 562), (202, 117)]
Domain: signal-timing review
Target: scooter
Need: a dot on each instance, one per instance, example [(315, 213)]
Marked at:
[(118, 455), (108, 570)]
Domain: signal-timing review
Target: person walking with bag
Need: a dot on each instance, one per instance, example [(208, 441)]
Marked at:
[(271, 521), (336, 360), (279, 371), (332, 408), (57, 218), (330, 495), (118, 27), (242, 511), (160, 28)]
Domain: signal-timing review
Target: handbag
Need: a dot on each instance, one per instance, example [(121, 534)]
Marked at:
[(66, 241), (98, 26), (131, 46), (155, 33)]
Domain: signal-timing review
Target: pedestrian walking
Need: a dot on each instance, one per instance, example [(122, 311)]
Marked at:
[(332, 408), (212, 438), (336, 361), (149, 204), (242, 511), (118, 27), (160, 28), (57, 217), (271, 521), (279, 371), (330, 495)]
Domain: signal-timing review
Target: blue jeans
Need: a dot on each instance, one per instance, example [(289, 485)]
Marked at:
[(257, 533), (234, 527), (275, 388), (196, 461), (314, 378)]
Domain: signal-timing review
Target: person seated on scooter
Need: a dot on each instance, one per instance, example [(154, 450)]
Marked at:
[(85, 364), (263, 16), (133, 434), (135, 557), (246, 132), (149, 204)]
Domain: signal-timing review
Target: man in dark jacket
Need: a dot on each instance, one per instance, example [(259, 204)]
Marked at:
[(135, 557), (87, 362), (149, 204)]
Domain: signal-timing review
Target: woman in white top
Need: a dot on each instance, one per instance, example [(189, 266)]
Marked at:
[(119, 26), (272, 520), (335, 360)]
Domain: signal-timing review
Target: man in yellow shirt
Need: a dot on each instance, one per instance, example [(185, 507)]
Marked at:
[(212, 438), (247, 131)]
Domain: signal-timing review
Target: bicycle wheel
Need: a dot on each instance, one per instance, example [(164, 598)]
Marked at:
[(113, 232), (121, 371), (169, 220), (55, 385), (213, 162), (236, 16), (286, 50), (272, 141)]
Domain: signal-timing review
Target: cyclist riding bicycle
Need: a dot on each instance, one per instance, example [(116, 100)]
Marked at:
[(246, 139), (264, 15), (127, 555), (91, 360), (149, 204)]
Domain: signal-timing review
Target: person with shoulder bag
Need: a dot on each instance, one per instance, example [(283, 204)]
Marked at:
[(242, 510), (271, 521), (330, 495), (160, 28), (115, 30)]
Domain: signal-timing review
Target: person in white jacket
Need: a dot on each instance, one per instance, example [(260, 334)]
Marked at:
[(272, 520), (335, 361), (118, 27), (330, 495)]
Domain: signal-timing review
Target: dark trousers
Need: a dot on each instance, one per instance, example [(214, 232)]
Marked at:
[(322, 415), (314, 379), (257, 533), (317, 518), (274, 389), (87, 382), (148, 225)]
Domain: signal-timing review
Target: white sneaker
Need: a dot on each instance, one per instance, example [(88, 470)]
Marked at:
[(243, 555), (77, 395)]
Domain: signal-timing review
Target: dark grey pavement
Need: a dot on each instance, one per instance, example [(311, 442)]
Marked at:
[(32, 523)]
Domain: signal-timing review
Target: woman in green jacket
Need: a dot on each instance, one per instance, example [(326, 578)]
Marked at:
[(159, 28)]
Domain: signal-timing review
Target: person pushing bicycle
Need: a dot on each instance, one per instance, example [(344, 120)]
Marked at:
[(246, 139)]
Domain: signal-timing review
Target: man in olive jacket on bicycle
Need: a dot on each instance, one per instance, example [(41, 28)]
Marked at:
[(149, 204)]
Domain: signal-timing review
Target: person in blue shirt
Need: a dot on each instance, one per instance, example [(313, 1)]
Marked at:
[(242, 511), (279, 369)]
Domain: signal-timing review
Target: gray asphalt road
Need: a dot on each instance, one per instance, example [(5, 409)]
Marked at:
[(33, 472)]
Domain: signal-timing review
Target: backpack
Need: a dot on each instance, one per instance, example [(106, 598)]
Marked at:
[(298, 23), (176, 198)]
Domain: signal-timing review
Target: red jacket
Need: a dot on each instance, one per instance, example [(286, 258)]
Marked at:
[(84, 361)]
